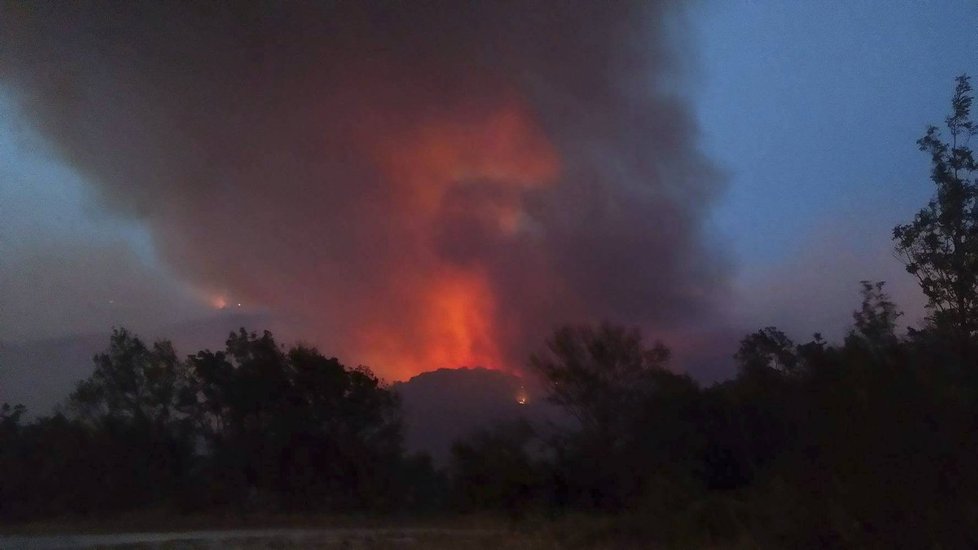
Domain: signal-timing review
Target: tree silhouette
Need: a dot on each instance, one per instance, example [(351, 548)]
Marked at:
[(128, 407), (635, 419), (768, 348), (292, 428), (874, 323), (940, 246), (493, 469), (132, 382), (596, 373)]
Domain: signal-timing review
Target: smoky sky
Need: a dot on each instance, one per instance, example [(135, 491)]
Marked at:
[(421, 184)]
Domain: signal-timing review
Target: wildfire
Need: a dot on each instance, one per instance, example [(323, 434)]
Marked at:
[(453, 326), (454, 318)]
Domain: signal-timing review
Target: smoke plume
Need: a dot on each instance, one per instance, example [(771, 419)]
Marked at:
[(421, 184)]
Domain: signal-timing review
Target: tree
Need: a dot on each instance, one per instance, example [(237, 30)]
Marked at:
[(128, 407), (875, 321), (10, 418), (628, 408), (132, 382), (596, 374), (492, 469), (292, 425), (940, 246), (768, 348)]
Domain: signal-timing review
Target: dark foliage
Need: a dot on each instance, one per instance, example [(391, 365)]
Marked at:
[(253, 427), (940, 246), (494, 469), (867, 443)]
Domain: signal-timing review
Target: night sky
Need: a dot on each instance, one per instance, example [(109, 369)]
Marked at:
[(414, 203)]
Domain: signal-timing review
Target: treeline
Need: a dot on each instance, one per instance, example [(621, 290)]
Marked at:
[(868, 443), (254, 427), (871, 442)]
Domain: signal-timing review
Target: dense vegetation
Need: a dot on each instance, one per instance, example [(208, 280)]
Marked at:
[(253, 426), (869, 442)]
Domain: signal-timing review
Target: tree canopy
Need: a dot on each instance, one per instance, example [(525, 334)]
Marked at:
[(940, 246)]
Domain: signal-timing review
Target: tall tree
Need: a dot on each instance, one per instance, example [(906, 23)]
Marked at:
[(874, 323), (127, 409), (132, 382), (629, 409), (292, 426), (597, 373), (940, 245)]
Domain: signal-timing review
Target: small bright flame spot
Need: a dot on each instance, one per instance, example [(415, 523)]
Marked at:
[(239, 305), (522, 398)]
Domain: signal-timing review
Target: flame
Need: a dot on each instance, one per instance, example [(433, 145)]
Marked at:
[(460, 315), (453, 318), (454, 325)]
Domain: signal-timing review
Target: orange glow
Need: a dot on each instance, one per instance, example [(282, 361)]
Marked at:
[(460, 319), (454, 327), (503, 145), (218, 301), (451, 316)]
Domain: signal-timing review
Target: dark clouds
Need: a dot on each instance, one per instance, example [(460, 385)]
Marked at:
[(422, 184)]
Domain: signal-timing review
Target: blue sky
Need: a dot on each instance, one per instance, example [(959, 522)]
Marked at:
[(811, 108)]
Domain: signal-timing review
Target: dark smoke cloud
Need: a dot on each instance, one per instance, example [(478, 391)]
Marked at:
[(397, 174)]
